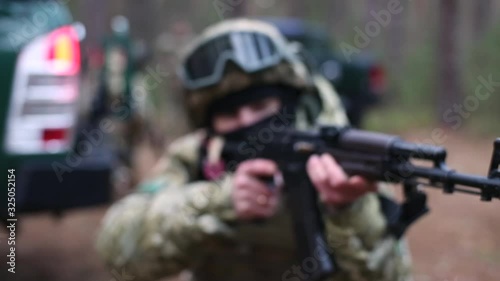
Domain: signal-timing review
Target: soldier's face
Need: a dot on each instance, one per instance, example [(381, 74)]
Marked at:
[(245, 115)]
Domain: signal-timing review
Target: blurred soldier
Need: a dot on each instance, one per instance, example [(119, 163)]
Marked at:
[(122, 96), (114, 96), (193, 214)]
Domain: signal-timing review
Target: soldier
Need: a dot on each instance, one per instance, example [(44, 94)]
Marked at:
[(195, 214)]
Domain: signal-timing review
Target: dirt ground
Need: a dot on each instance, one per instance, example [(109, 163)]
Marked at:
[(457, 241)]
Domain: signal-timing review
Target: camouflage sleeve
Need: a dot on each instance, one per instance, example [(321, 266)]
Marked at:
[(357, 235), (364, 250), (160, 231)]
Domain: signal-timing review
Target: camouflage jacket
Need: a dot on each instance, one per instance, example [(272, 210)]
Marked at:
[(177, 222)]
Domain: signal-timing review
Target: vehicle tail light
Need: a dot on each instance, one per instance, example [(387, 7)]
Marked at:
[(64, 50), (43, 108), (54, 134), (377, 80), (53, 138)]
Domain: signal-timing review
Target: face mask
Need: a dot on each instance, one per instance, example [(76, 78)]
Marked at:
[(248, 131), (284, 119)]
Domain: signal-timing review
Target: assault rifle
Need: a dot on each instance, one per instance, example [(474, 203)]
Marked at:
[(373, 155)]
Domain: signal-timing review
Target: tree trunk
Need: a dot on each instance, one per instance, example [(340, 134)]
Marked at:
[(449, 86), (96, 19), (337, 18), (374, 6), (297, 8), (395, 33), (142, 20), (239, 9), (482, 16)]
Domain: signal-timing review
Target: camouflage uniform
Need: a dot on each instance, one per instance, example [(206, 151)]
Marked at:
[(177, 221)]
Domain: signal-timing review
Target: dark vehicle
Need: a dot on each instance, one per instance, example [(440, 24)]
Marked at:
[(359, 82), (40, 122)]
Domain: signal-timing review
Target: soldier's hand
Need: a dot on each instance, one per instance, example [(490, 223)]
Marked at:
[(252, 198), (334, 186)]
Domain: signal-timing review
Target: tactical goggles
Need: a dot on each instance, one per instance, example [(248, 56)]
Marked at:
[(250, 50)]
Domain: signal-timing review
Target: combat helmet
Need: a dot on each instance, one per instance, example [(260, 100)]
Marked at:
[(233, 55)]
